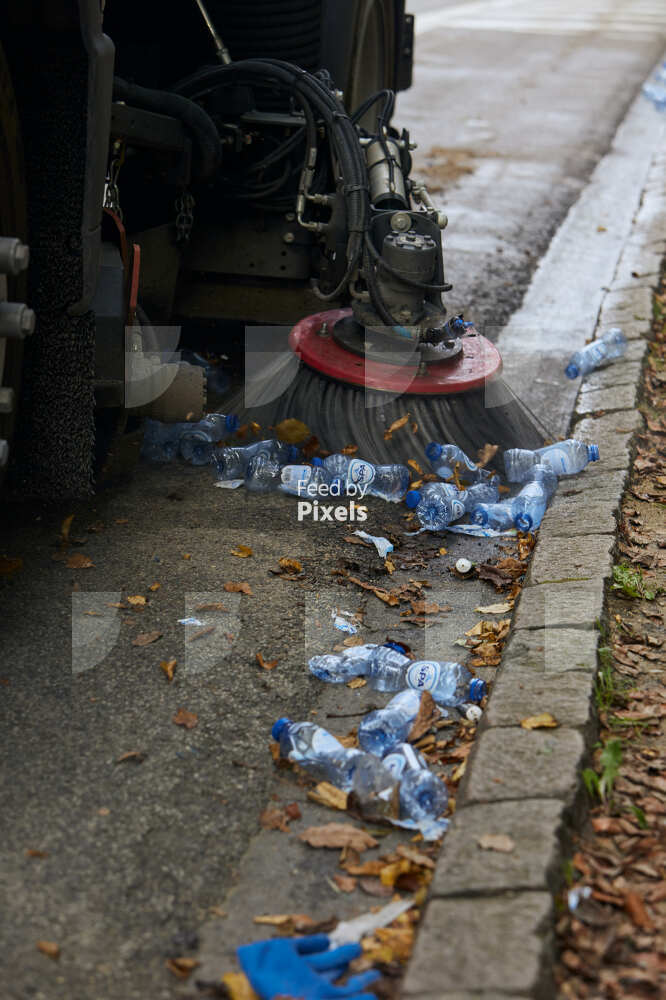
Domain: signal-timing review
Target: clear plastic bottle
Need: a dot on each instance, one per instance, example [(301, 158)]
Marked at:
[(231, 463), (389, 482), (161, 441), (380, 731), (445, 458), (385, 666), (262, 475), (526, 509), (448, 682), (319, 753), (440, 504), (612, 345), (565, 458), (655, 91), (303, 480), (199, 440), (423, 794)]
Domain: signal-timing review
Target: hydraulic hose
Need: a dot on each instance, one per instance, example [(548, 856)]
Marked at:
[(193, 117)]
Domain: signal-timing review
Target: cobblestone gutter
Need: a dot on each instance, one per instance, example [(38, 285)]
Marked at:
[(488, 928)]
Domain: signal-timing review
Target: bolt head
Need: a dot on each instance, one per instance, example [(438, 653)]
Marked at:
[(401, 222), (288, 238)]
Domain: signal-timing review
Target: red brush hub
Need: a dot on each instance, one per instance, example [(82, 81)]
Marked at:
[(314, 344)]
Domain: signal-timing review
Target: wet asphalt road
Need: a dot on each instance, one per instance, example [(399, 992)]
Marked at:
[(138, 851)]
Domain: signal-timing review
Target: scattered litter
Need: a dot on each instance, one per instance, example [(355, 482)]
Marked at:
[(382, 545), (345, 621), (464, 566), (472, 713), (479, 531), (229, 484), (191, 621), (574, 896), (611, 346), (349, 931), (565, 458)]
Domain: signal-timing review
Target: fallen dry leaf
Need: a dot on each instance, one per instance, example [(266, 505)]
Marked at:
[(239, 588), (242, 551), (356, 682), (49, 948), (383, 595), (415, 856), (273, 818), (428, 714), (395, 426), (79, 561), (181, 967), (293, 810), (345, 883), (494, 609), (65, 528), (215, 606), (238, 986), (187, 555), (288, 565), (154, 586), (169, 667), (266, 664), (496, 842), (136, 600), (33, 853), (145, 638), (416, 467), (292, 431), (542, 721), (375, 887), (337, 835), (635, 907), (201, 633), (486, 454), (328, 795), (134, 755), (349, 449), (184, 718), (297, 922)]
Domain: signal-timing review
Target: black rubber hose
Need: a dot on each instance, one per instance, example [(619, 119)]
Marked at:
[(193, 117)]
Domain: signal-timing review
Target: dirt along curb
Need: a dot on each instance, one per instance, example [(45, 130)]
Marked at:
[(488, 930)]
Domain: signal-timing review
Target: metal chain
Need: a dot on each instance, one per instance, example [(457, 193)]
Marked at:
[(184, 216), (112, 194)]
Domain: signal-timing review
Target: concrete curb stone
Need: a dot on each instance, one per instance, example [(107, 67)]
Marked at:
[(488, 928)]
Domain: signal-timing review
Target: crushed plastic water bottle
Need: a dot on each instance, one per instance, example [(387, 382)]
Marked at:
[(303, 480), (527, 508), (323, 756), (231, 463), (422, 794), (160, 441), (445, 459), (611, 346), (382, 544), (565, 458), (382, 730), (389, 482), (384, 666), (262, 474), (441, 504), (198, 441), (449, 683)]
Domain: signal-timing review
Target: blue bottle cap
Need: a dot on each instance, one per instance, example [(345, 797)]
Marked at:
[(412, 498), (479, 516), (318, 462), (523, 522), (395, 645), (279, 727), (593, 452), (571, 371), (477, 689), (231, 422), (433, 450), (294, 453)]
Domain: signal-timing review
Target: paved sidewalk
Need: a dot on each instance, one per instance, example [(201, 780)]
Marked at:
[(488, 928)]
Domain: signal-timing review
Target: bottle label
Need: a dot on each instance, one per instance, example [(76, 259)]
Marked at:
[(458, 508), (423, 676), (360, 473)]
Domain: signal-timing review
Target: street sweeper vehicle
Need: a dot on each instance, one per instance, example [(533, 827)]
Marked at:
[(226, 170)]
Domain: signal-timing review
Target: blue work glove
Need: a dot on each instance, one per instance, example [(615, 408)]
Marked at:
[(303, 968)]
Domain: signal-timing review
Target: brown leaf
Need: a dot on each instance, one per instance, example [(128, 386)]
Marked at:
[(49, 948), (293, 810), (635, 907), (79, 561), (239, 588), (496, 842), (266, 664), (9, 565), (328, 795), (543, 721), (145, 638), (238, 986), (427, 715), (134, 755), (349, 449), (181, 967), (346, 883), (384, 595), (169, 666), (65, 528), (201, 633), (288, 565), (375, 887), (292, 431), (395, 426), (367, 868), (415, 856), (242, 551), (184, 718), (356, 682), (486, 454), (416, 467), (136, 600), (33, 853), (273, 818), (338, 835), (154, 586), (292, 922), (215, 606)]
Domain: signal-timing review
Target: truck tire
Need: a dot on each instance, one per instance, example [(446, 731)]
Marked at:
[(12, 225), (359, 46)]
